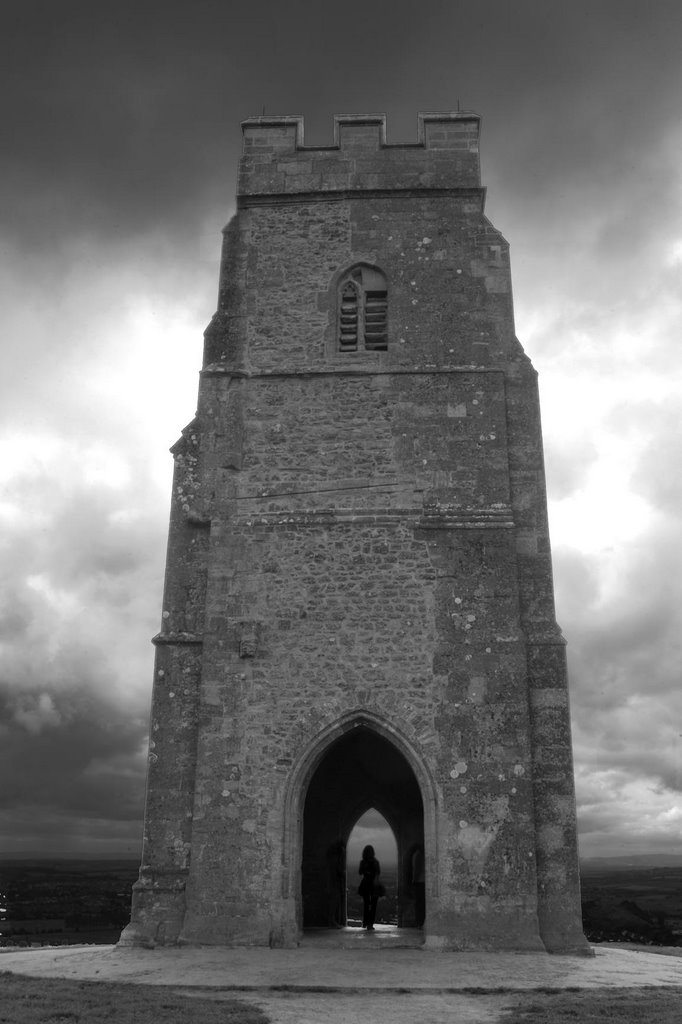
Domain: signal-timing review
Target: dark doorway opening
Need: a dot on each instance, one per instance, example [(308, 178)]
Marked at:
[(359, 771)]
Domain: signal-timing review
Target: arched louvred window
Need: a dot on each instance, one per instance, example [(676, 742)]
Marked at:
[(363, 311)]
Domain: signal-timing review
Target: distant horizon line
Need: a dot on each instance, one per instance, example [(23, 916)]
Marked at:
[(136, 859)]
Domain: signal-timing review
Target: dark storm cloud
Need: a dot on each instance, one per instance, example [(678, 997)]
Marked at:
[(94, 102), (624, 644), (126, 117), (80, 585), (92, 750), (623, 625), (72, 744)]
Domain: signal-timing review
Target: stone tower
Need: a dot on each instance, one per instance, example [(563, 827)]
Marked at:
[(358, 608)]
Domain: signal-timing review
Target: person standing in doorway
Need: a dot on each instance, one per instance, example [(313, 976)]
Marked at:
[(369, 888)]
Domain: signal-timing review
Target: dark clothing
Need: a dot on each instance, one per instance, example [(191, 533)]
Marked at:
[(370, 871)]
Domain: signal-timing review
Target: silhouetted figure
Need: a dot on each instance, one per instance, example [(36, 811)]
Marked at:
[(336, 885), (418, 884), (370, 889)]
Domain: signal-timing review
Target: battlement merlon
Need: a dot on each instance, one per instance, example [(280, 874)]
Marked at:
[(275, 160)]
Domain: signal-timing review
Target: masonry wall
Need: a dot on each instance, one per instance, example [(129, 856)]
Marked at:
[(360, 540)]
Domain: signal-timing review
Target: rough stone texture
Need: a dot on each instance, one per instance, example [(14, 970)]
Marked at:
[(359, 604)]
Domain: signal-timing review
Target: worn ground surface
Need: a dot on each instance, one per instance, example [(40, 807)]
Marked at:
[(353, 978)]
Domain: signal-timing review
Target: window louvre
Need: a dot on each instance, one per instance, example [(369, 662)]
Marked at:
[(363, 311), (376, 308), (348, 319)]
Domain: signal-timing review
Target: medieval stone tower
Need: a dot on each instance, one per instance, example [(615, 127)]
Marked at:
[(358, 607)]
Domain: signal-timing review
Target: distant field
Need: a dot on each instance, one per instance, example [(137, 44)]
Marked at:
[(73, 902), (635, 904), (76, 901)]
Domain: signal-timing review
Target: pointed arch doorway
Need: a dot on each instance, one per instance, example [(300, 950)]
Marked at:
[(358, 771)]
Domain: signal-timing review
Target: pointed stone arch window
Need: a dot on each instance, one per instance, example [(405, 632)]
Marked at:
[(363, 310)]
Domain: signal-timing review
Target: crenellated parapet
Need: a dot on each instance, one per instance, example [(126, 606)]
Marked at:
[(276, 161)]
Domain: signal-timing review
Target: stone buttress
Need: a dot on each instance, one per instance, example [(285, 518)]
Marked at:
[(359, 605)]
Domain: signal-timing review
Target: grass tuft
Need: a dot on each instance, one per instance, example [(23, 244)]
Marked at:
[(597, 1006), (25, 1000)]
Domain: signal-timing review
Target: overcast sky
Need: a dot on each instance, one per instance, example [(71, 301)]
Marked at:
[(121, 140)]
